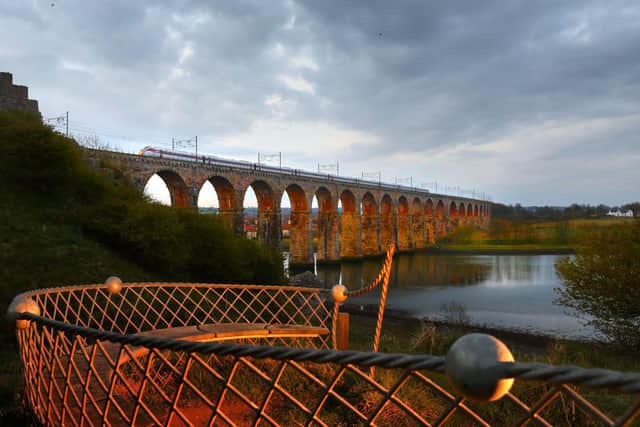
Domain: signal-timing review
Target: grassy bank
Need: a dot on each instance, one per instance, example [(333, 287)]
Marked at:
[(507, 236), (413, 336), (63, 223)]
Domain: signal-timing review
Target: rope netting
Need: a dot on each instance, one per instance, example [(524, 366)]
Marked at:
[(201, 354)]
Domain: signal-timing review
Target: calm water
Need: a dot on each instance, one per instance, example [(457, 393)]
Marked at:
[(513, 292)]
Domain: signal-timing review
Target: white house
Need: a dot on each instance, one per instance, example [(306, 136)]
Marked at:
[(628, 213)]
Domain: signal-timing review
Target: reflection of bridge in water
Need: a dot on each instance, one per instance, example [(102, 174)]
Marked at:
[(411, 270), (373, 215)]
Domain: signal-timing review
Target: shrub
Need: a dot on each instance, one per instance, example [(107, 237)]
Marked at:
[(602, 282)]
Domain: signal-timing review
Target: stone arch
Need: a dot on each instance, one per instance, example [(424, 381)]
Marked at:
[(454, 216), (225, 192), (387, 235), (227, 202), (476, 211), (429, 222), (178, 190), (325, 200), (300, 251), (268, 221), (469, 210), (348, 201), (461, 210), (326, 225), (349, 226), (418, 224), (453, 210), (404, 224), (369, 225)]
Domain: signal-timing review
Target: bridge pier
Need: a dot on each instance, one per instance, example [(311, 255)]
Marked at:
[(440, 227), (370, 224), (328, 225), (387, 228), (350, 243), (429, 230), (269, 229), (452, 224), (350, 237), (404, 225), (232, 219), (370, 235), (300, 248), (418, 225)]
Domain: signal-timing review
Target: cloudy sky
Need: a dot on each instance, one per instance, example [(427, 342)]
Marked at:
[(536, 102)]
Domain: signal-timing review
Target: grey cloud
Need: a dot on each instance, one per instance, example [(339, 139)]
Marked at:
[(420, 76)]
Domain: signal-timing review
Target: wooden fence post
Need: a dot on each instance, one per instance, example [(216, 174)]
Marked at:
[(343, 331)]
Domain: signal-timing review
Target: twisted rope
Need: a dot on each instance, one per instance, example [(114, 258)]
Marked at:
[(593, 378), (383, 277), (386, 268), (625, 382), (385, 272)]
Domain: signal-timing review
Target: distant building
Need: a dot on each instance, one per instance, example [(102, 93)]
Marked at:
[(286, 229), (619, 213), (251, 231)]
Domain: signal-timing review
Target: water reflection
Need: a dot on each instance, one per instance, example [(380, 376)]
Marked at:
[(408, 271), (504, 291)]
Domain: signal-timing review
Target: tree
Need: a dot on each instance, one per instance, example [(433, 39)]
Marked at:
[(602, 282)]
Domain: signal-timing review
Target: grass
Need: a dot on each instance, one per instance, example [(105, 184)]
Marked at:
[(413, 336), (505, 236)]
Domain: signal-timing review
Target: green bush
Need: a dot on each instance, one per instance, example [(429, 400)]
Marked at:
[(602, 282)]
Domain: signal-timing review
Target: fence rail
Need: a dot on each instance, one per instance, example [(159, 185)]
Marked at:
[(90, 356)]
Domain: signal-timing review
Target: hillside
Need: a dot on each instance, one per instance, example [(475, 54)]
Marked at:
[(61, 222)]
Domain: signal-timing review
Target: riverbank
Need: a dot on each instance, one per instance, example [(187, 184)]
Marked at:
[(520, 341), (487, 249), (406, 335), (415, 337)]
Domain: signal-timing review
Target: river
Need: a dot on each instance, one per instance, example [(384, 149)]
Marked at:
[(512, 292)]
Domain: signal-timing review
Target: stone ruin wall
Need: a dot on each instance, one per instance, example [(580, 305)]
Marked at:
[(15, 97)]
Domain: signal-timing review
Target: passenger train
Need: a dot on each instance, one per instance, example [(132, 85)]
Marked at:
[(243, 164)]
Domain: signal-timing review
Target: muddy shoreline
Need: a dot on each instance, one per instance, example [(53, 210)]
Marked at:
[(519, 341)]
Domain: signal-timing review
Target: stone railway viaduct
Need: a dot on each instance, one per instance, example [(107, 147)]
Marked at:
[(373, 215)]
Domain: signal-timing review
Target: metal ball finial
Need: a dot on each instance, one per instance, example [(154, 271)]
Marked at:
[(114, 285), (474, 370), (23, 305), (339, 293)]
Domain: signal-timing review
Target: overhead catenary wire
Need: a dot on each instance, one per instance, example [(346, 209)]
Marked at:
[(82, 129)]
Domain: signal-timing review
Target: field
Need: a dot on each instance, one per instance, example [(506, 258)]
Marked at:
[(531, 237)]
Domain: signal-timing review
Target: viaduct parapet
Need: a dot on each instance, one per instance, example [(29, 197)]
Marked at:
[(371, 217), (15, 97)]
